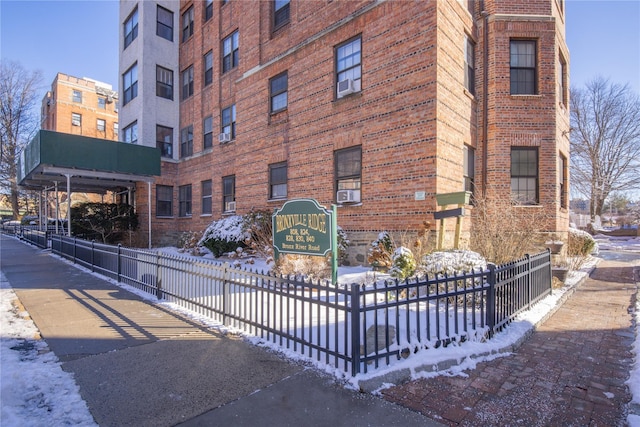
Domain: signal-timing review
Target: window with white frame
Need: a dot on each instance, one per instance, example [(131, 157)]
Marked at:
[(229, 193), (208, 10), (278, 181), (76, 119), (228, 124), (101, 125), (206, 197), (187, 83), (186, 141), (348, 65), (130, 84), (164, 26), (187, 24), (164, 82), (130, 133), (230, 52), (164, 140), (77, 96), (184, 200), (280, 13), (348, 168), (131, 28), (164, 200), (207, 132), (102, 103), (278, 88), (469, 168), (208, 68), (469, 65)]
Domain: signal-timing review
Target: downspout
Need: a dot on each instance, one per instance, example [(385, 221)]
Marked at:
[(485, 101)]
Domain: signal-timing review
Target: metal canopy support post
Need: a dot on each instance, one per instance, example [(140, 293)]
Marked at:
[(149, 209), (68, 204), (57, 207)]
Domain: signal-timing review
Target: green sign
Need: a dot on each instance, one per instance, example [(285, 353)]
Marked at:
[(303, 227)]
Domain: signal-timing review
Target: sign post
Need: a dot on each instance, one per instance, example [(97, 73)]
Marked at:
[(303, 227)]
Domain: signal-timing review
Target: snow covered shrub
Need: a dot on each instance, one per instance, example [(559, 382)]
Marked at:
[(343, 245), (403, 263), (257, 226), (381, 251), (224, 235), (580, 246), (189, 242), (451, 262), (303, 267)]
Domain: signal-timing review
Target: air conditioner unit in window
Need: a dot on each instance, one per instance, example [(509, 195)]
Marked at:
[(348, 86), (230, 207), (348, 196), (224, 137)]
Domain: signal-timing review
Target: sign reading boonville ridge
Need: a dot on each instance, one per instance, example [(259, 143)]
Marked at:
[(302, 227)]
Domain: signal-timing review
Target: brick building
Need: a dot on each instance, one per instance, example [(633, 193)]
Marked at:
[(375, 106), (81, 106)]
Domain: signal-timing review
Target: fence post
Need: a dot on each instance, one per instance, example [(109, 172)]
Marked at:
[(355, 329), (528, 257), (225, 292), (549, 271), (491, 299), (158, 278), (119, 261)]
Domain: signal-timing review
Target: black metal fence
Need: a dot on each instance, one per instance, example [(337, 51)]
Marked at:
[(352, 327)]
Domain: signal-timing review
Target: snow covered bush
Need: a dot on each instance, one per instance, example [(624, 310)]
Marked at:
[(189, 242), (343, 245), (403, 263), (303, 267), (450, 263), (257, 226), (580, 246), (381, 251), (224, 235)]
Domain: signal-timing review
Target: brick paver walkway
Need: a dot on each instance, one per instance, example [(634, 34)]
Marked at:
[(570, 372)]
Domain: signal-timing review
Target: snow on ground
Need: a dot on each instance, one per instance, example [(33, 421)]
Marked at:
[(36, 391)]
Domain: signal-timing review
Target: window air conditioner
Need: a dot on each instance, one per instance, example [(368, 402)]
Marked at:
[(348, 86), (224, 137), (230, 207), (348, 196)]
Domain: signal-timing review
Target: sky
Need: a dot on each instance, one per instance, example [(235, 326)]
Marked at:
[(80, 38), (37, 391)]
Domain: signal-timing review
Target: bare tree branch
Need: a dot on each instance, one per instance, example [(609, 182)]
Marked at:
[(605, 141)]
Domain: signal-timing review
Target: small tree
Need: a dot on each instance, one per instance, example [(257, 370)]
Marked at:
[(108, 220)]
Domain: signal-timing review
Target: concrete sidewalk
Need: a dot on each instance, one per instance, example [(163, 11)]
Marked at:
[(137, 364), (570, 372)]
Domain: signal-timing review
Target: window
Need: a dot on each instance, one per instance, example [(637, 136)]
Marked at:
[(164, 82), (130, 83), (101, 125), (229, 121), (187, 24), (280, 13), (164, 200), (230, 56), (348, 66), (164, 26), (206, 197), (131, 133), (164, 140), (208, 10), (469, 169), (102, 103), (278, 181), (469, 65), (186, 141), (184, 200), (131, 28), (115, 131), (207, 131), (563, 182), (562, 81), (278, 87), (187, 82), (229, 193), (523, 67), (524, 175), (348, 164), (77, 96), (76, 119), (208, 68)]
